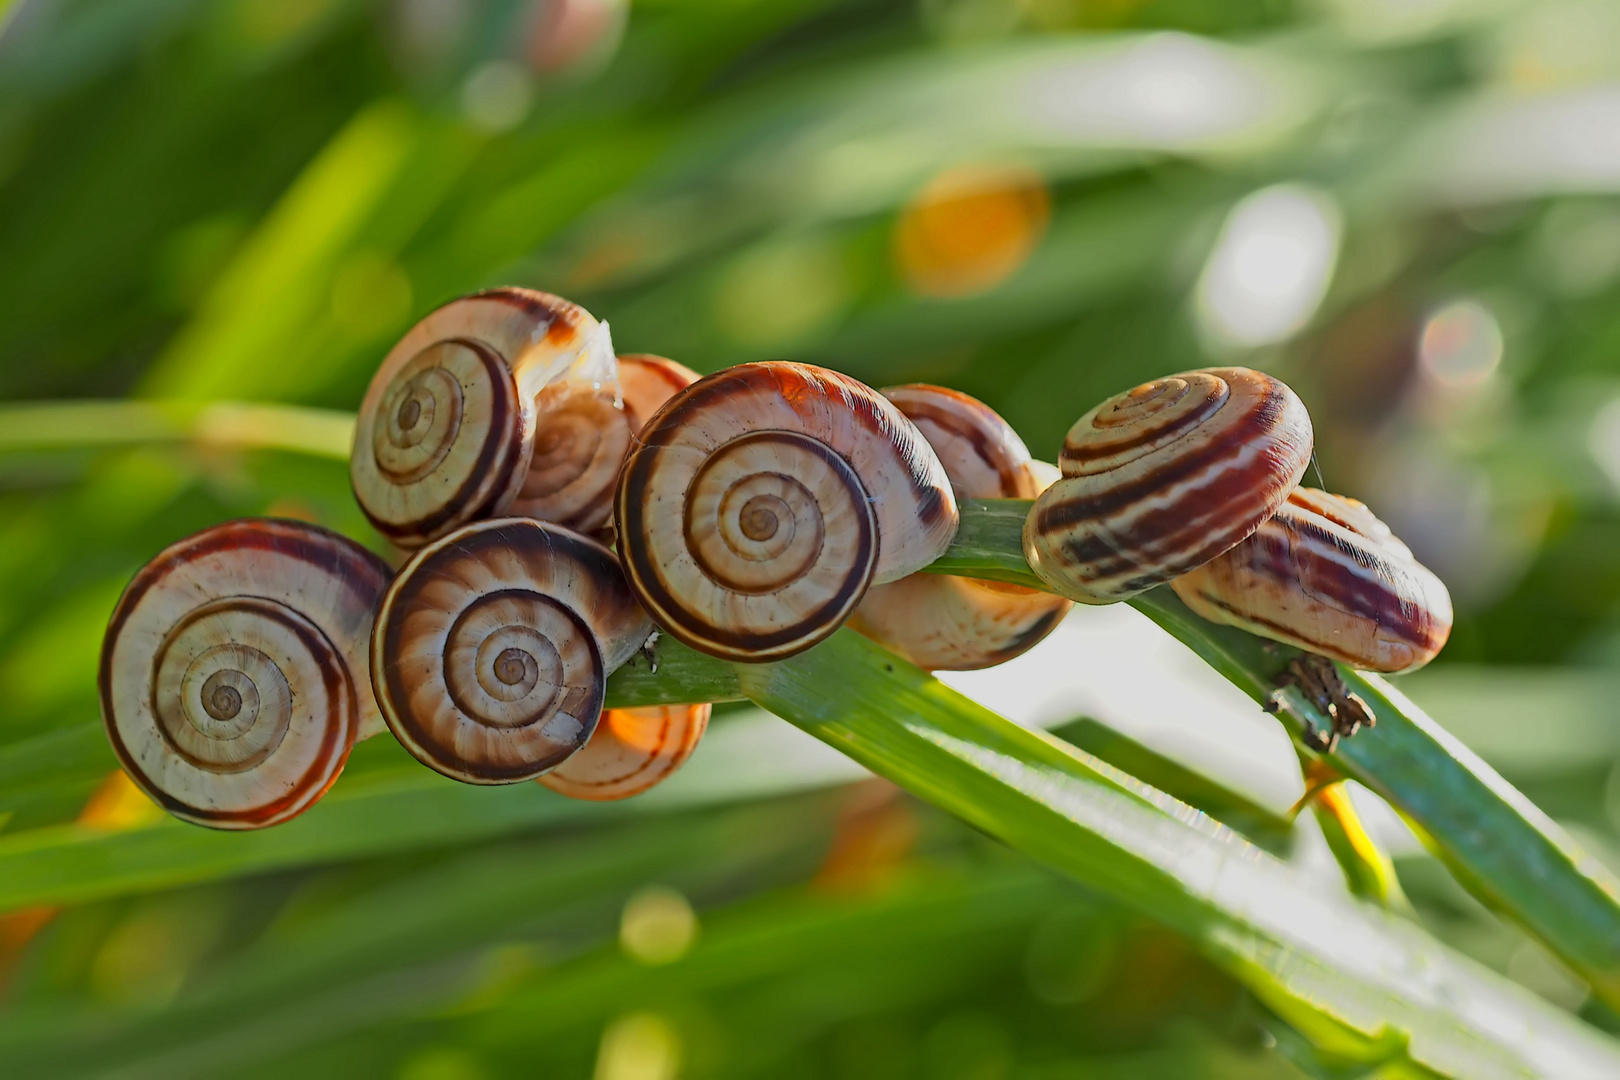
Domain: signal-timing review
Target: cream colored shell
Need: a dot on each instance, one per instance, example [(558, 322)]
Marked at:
[(232, 676), (492, 648), (446, 432), (760, 503), (940, 622)]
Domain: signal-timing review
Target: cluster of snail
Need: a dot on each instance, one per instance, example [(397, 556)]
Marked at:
[(555, 504)]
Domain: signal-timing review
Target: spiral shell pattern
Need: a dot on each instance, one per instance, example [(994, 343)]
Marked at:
[(944, 623), (1327, 575), (631, 751), (447, 427), (232, 674), (492, 648), (646, 382), (759, 504), (1163, 478), (581, 438)]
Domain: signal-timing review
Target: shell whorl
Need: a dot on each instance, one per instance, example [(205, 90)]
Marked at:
[(761, 502), (1161, 479), (581, 438), (631, 750), (944, 623), (493, 645), (1327, 575), (232, 675), (446, 431)]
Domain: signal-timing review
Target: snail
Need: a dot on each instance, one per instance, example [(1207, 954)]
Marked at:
[(1161, 479), (940, 622), (492, 648), (447, 431), (232, 676), (760, 502), (1327, 575), (631, 750), (646, 382)]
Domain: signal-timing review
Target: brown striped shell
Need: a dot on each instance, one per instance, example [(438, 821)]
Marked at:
[(493, 645), (939, 622), (1326, 575), (759, 504), (447, 431), (1163, 478), (646, 382), (630, 751), (232, 675)]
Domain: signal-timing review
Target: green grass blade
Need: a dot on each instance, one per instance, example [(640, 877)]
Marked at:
[(80, 425), (1344, 972)]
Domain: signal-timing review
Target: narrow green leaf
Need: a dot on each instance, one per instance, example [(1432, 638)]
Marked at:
[(1345, 973), (77, 425)]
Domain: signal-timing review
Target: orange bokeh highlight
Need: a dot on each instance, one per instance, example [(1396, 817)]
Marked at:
[(970, 229)]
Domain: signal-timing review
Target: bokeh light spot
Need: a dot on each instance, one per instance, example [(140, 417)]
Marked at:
[(496, 96), (658, 925), (1270, 266), (776, 294), (639, 1046), (1461, 345), (970, 229)]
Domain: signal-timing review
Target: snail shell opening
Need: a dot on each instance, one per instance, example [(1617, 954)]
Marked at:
[(230, 676), (1163, 478), (1328, 576), (761, 502), (493, 645)]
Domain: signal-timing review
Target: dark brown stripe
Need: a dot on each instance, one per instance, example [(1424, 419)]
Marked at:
[(1143, 434), (1279, 631), (986, 434)]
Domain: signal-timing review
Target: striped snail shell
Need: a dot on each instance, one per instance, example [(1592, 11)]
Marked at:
[(630, 751), (580, 442), (232, 675), (646, 382), (493, 645), (1326, 575), (1161, 479), (446, 432), (939, 622), (760, 502)]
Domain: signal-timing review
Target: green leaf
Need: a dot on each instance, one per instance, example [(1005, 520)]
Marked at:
[(1352, 978)]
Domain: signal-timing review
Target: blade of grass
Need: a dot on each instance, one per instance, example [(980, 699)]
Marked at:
[(79, 425), (1343, 972), (1501, 847)]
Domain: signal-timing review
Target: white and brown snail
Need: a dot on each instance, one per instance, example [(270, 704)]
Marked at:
[(940, 622), (759, 504), (233, 674), (1163, 478), (630, 751), (1328, 576), (646, 382), (493, 645), (499, 402)]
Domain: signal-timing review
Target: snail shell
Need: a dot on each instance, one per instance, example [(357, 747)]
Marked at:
[(493, 645), (631, 750), (446, 432), (1326, 575), (940, 622), (759, 504), (646, 382), (1163, 478), (232, 674), (580, 441)]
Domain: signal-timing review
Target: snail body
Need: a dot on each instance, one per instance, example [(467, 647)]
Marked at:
[(760, 503), (630, 751), (446, 433), (492, 648), (232, 675), (940, 622), (1161, 479), (1325, 574)]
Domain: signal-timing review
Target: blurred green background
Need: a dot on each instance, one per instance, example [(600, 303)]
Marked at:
[(1411, 212)]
